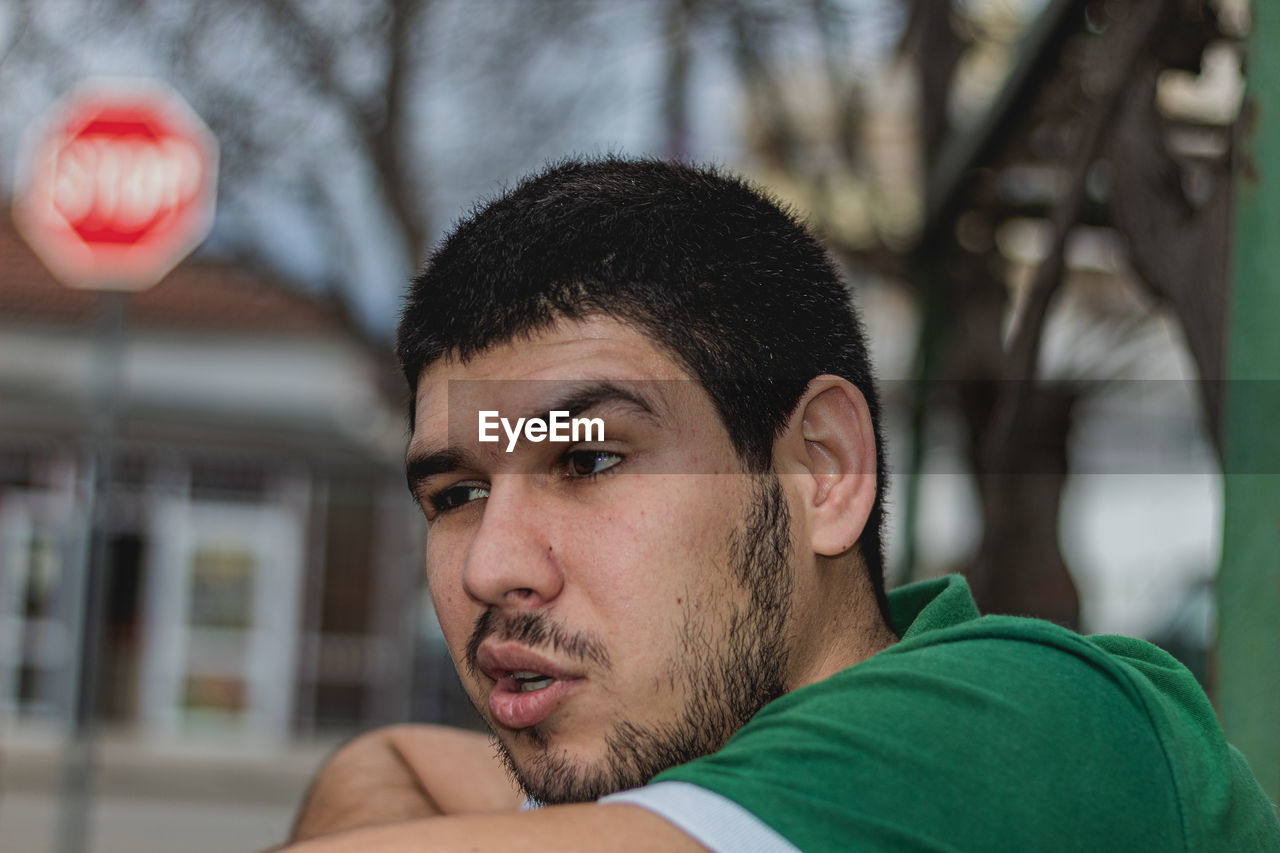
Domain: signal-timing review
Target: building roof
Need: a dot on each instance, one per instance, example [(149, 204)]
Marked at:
[(217, 355), (198, 295)]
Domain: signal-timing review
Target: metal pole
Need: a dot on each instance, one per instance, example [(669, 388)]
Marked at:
[(1248, 588), (79, 757)]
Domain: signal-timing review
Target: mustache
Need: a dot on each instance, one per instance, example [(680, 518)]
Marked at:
[(535, 630)]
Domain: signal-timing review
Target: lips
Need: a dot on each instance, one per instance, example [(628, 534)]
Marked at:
[(527, 688)]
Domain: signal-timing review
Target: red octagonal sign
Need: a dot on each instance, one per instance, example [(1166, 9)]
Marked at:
[(120, 185)]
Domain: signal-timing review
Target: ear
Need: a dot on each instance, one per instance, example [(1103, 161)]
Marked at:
[(830, 444)]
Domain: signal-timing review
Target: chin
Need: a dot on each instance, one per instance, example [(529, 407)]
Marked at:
[(556, 773)]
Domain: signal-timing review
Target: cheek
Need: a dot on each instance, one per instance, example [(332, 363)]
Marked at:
[(700, 511), (664, 538), (454, 609)]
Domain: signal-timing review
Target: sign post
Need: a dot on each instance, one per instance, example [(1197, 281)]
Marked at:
[(117, 185)]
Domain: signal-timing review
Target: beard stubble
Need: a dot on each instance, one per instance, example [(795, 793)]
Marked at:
[(729, 670)]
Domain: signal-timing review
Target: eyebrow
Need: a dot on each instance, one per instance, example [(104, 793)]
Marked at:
[(583, 397), (591, 395), (419, 467)]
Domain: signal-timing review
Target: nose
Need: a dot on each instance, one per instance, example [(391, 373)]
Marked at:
[(511, 561)]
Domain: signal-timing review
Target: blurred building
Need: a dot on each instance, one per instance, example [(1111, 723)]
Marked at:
[(262, 549)]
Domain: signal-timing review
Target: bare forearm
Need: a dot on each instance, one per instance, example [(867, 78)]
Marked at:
[(403, 773), (559, 829), (458, 770), (366, 782)]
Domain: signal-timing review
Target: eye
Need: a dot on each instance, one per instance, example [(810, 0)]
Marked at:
[(589, 463), (456, 496)]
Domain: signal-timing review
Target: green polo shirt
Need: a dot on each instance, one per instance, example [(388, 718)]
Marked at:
[(993, 733)]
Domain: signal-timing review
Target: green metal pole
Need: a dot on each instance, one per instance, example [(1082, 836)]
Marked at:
[(1248, 588)]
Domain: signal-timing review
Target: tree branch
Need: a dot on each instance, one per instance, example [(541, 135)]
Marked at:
[(387, 139), (316, 51), (1124, 48)]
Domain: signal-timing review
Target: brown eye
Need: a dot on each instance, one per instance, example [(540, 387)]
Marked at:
[(588, 463), (457, 496)]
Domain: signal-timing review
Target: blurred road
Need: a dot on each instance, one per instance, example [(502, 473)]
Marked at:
[(152, 800)]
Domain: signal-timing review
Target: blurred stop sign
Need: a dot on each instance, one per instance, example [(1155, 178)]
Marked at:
[(119, 186)]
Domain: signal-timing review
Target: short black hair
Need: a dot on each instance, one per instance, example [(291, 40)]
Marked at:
[(711, 269)]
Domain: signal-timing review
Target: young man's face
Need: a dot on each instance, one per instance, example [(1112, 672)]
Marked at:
[(613, 607)]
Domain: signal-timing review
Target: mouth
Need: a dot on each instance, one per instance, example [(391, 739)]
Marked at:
[(528, 681), (527, 688)]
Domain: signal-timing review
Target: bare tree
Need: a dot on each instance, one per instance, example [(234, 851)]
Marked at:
[(1082, 100), (1079, 104), (322, 108)]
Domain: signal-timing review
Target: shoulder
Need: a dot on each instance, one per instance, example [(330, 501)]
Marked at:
[(969, 734), (989, 673)]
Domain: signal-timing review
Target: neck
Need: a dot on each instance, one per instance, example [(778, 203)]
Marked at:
[(842, 625)]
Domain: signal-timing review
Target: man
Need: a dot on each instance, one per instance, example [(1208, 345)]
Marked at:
[(676, 626)]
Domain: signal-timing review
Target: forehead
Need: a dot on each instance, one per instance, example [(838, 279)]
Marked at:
[(593, 349)]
